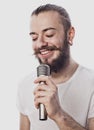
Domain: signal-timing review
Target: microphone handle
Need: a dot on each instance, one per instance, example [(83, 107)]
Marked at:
[(42, 110)]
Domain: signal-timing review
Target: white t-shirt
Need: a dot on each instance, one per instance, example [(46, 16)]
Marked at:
[(76, 98)]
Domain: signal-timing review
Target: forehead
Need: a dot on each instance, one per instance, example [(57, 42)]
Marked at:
[(45, 20)]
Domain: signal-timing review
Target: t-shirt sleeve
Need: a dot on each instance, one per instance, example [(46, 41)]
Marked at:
[(20, 101), (91, 108)]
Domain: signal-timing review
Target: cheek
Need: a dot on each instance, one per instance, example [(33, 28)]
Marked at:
[(34, 47), (58, 43), (56, 54)]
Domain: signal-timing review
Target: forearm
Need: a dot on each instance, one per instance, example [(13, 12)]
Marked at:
[(24, 122), (65, 122)]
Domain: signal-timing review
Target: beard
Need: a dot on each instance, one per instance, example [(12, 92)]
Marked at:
[(61, 61)]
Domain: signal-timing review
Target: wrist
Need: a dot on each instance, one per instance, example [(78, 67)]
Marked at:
[(58, 117), (63, 120)]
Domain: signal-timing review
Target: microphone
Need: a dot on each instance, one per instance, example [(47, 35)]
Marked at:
[(43, 69)]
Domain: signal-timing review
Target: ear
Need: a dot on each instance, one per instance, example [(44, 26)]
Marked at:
[(70, 35)]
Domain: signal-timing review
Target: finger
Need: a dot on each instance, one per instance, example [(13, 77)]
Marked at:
[(38, 101), (40, 94), (40, 87), (45, 79), (41, 79)]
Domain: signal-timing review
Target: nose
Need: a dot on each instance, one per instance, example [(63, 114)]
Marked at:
[(41, 41)]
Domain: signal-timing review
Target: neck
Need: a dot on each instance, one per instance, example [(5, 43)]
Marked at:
[(65, 73)]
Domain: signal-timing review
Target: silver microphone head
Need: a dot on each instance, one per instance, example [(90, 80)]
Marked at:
[(43, 69)]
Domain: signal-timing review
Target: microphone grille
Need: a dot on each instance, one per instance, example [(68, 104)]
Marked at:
[(43, 69)]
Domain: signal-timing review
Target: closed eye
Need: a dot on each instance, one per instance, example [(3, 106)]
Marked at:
[(49, 35), (34, 39)]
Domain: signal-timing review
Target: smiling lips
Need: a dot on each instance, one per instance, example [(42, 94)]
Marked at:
[(45, 53)]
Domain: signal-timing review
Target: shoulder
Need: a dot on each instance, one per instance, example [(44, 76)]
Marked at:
[(86, 76), (87, 72)]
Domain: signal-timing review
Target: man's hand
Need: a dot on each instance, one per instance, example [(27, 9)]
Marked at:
[(47, 94)]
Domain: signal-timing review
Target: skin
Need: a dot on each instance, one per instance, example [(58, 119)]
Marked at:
[(42, 36), (50, 32), (24, 122)]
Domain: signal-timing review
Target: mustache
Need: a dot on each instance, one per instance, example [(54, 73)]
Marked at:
[(48, 48)]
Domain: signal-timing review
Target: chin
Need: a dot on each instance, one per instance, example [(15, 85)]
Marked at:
[(45, 62), (48, 61)]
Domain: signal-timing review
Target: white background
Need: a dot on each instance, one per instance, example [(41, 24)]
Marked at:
[(16, 60)]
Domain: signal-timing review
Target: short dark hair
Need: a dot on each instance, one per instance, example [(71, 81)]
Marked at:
[(60, 10)]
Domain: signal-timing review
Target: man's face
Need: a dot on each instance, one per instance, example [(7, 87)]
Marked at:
[(48, 39)]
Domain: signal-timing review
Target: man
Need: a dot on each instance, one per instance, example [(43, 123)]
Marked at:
[(68, 93)]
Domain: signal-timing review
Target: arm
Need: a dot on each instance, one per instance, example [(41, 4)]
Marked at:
[(65, 122), (47, 94), (24, 122), (90, 124)]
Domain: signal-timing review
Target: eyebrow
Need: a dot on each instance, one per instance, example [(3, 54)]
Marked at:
[(32, 33), (44, 30), (50, 28)]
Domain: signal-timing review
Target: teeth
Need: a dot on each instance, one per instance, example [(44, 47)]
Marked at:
[(44, 52)]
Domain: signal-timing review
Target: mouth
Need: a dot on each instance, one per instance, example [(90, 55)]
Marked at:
[(46, 50), (45, 53)]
